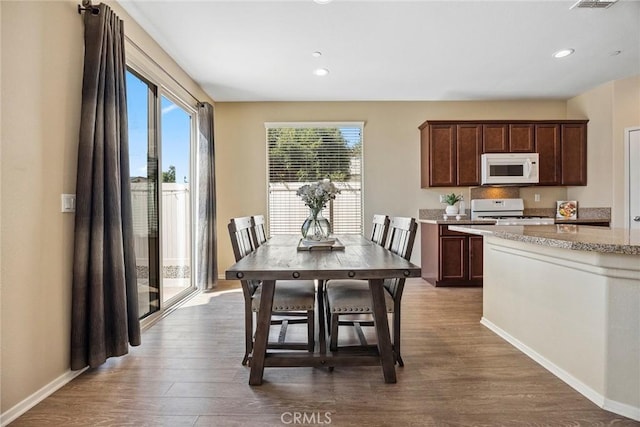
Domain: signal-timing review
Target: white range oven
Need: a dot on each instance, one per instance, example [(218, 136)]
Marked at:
[(506, 212)]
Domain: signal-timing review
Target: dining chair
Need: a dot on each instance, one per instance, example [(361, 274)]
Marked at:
[(258, 227), (353, 297), (293, 300), (380, 229)]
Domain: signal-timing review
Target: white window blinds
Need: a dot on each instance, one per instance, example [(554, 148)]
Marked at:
[(302, 153)]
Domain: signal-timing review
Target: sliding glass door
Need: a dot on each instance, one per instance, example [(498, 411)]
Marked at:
[(161, 132), (176, 133)]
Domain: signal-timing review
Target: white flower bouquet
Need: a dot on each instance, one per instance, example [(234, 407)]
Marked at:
[(316, 195)]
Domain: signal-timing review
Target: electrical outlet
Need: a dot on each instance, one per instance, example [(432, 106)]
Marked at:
[(442, 198), (536, 197)]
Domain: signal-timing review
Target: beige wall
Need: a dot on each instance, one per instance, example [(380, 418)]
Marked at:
[(42, 53), (391, 152), (40, 81), (610, 108)]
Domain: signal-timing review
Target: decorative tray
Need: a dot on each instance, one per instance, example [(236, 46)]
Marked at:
[(320, 245)]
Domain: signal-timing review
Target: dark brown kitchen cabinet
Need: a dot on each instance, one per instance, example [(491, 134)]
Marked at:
[(562, 152), (495, 138), (468, 150), (507, 138), (574, 154), (438, 156), (451, 150), (475, 258), (521, 138), (547, 137), (450, 155), (450, 258)]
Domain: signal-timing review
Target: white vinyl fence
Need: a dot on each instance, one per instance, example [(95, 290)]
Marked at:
[(176, 226), (287, 211)]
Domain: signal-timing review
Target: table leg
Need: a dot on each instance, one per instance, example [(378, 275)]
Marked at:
[(262, 332), (382, 330)]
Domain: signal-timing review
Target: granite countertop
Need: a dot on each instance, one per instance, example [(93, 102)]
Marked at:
[(436, 216), (586, 216), (574, 237), (453, 221)]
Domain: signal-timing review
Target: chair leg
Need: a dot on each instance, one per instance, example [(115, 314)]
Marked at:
[(311, 331), (333, 346), (327, 310)]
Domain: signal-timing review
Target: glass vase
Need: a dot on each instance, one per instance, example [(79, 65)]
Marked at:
[(316, 227)]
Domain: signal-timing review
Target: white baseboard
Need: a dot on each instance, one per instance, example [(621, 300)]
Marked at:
[(597, 398), (37, 397), (622, 409)]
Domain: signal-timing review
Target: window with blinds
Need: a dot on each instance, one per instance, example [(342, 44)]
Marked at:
[(302, 153)]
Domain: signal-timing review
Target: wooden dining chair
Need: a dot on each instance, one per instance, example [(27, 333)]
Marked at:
[(258, 227), (380, 229), (293, 300), (351, 297)]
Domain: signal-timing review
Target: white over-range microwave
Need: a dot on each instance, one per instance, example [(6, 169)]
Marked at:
[(509, 168)]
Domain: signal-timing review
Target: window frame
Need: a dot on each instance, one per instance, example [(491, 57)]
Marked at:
[(316, 124)]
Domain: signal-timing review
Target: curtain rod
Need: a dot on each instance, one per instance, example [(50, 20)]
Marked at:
[(86, 5)]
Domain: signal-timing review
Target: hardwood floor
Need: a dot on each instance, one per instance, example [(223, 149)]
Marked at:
[(187, 372)]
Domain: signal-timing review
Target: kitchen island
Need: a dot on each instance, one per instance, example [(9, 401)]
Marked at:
[(568, 296)]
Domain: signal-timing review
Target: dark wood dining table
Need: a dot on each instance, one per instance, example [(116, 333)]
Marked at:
[(279, 259)]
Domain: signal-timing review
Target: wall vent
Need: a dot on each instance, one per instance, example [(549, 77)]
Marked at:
[(593, 4)]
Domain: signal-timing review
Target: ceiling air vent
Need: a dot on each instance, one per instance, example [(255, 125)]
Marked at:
[(593, 4)]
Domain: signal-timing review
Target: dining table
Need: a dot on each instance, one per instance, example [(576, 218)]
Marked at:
[(351, 257)]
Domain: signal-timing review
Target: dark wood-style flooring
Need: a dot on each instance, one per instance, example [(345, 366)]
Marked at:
[(187, 372)]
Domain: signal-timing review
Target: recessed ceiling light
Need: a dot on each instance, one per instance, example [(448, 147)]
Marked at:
[(321, 72), (562, 53), (316, 54), (322, 1)]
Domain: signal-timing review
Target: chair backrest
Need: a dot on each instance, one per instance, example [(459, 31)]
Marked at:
[(258, 225), (402, 234), (380, 229), (242, 236)]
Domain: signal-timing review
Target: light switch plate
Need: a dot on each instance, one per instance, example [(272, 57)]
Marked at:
[(442, 198), (67, 203)]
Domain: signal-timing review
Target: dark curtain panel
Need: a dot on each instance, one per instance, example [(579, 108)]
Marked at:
[(207, 269), (104, 318)]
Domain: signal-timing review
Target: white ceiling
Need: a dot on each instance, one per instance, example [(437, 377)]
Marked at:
[(394, 50)]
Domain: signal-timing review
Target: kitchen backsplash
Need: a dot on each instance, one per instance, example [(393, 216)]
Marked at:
[(583, 213), (495, 193)]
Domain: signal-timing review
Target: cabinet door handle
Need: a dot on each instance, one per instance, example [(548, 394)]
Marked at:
[(637, 219)]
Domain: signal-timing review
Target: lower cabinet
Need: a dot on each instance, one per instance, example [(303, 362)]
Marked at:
[(450, 258)]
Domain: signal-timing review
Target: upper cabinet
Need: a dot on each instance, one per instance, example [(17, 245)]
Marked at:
[(438, 148), (507, 138), (450, 150), (450, 154), (547, 138), (574, 154)]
